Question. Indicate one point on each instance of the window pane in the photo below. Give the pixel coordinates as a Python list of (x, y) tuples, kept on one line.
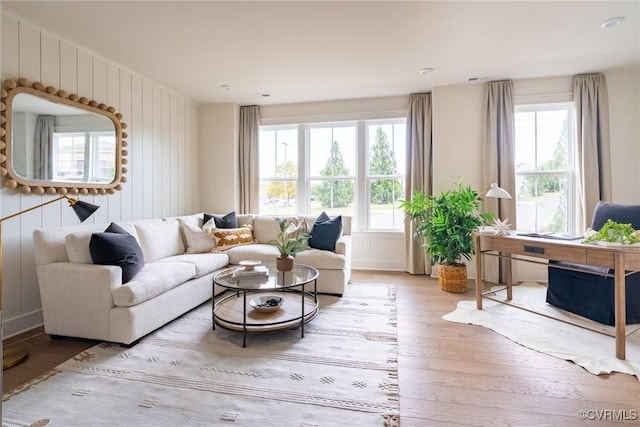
[(384, 211), (541, 140), (542, 203), (69, 156), (543, 143), (280, 197), (386, 143), (278, 152), (385, 149), (525, 126), (105, 150), (552, 139), (332, 151), (334, 196), (278, 159)]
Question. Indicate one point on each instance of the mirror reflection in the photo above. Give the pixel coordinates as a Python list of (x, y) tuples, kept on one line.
[(54, 142)]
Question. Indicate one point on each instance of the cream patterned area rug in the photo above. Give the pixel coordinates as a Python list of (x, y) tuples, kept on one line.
[(594, 351), (342, 373)]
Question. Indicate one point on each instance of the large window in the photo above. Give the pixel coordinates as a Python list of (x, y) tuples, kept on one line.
[(348, 168), (544, 167)]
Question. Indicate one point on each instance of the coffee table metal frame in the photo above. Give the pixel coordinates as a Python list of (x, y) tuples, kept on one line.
[(291, 284)]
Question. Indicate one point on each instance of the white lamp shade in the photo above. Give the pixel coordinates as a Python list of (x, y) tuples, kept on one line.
[(500, 193)]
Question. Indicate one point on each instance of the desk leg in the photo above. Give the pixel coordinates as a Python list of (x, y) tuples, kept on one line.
[(509, 274), (478, 250), (620, 306)]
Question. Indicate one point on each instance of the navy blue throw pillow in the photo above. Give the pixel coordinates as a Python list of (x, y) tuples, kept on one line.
[(325, 232), (230, 220), (117, 247)]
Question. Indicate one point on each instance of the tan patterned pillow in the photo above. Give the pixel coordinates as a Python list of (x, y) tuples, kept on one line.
[(298, 227), (229, 237)]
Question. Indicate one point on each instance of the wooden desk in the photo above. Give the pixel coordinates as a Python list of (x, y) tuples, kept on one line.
[(619, 258)]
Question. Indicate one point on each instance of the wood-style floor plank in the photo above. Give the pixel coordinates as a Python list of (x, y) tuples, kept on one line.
[(450, 374)]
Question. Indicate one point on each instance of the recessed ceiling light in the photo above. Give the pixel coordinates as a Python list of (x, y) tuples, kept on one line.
[(426, 70), (613, 22)]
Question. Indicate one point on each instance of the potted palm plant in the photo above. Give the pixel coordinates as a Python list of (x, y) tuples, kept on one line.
[(289, 245), (446, 223)]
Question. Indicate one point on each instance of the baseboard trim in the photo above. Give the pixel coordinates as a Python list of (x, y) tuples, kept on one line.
[(21, 324)]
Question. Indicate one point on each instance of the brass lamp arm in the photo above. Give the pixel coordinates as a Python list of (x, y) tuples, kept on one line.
[(72, 201)]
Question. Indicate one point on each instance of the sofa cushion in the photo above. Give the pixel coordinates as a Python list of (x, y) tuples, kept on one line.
[(229, 220), (77, 244), (193, 219), (117, 247), (204, 263), (159, 239), (265, 228), (196, 239), (262, 252), (229, 237), (326, 232), (321, 259), (154, 279)]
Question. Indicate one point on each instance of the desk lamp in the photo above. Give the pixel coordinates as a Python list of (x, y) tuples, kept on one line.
[(494, 191)]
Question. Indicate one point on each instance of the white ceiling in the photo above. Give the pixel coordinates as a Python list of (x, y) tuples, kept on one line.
[(301, 51)]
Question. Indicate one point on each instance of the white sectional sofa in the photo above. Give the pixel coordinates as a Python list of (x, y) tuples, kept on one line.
[(86, 300)]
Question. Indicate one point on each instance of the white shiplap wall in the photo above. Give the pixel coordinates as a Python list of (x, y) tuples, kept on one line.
[(162, 168)]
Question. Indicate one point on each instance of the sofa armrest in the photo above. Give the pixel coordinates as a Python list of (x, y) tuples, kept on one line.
[(343, 245), (76, 298)]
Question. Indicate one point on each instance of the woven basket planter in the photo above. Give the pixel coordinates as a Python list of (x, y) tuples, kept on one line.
[(452, 278)]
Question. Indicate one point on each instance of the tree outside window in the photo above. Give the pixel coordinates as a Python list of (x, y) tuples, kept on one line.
[(334, 193)]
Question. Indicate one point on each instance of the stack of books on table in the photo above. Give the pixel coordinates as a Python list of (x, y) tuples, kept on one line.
[(257, 271)]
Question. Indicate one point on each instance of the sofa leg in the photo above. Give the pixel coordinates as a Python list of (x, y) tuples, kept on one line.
[(57, 337), (131, 344)]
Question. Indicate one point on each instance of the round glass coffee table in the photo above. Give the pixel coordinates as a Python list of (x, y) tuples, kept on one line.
[(247, 308)]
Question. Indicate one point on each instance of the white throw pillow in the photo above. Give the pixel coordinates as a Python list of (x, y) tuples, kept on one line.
[(78, 247), (196, 239)]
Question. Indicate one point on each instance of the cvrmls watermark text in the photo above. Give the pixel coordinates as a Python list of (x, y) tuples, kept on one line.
[(608, 414)]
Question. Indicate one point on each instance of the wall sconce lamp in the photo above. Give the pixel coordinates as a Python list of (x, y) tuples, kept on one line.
[(12, 355)]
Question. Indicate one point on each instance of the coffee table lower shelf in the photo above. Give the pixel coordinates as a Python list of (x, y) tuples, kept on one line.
[(228, 312)]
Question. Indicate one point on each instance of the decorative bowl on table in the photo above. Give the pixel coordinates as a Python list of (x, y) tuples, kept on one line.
[(266, 303), (250, 264)]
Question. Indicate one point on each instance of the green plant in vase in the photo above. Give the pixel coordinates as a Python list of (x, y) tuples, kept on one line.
[(289, 244), (446, 223)]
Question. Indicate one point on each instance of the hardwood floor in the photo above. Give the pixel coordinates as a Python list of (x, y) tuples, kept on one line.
[(449, 374)]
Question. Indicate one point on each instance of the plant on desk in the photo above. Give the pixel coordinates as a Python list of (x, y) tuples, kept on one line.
[(614, 232), (446, 222), (290, 242)]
